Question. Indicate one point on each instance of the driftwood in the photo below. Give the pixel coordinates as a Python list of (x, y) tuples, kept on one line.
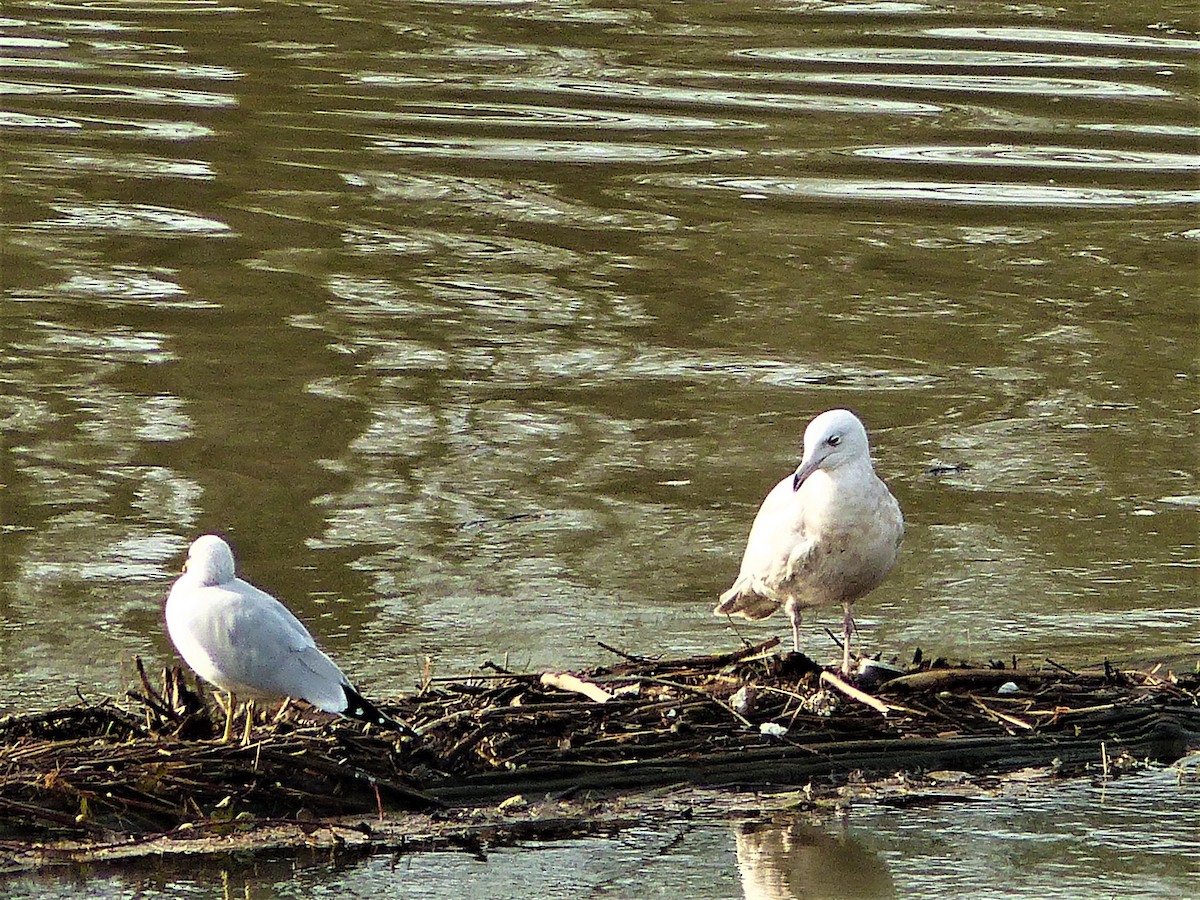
[(74, 783)]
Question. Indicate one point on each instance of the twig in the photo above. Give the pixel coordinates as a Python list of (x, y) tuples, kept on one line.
[(49, 815), (687, 688), (944, 679), (725, 659), (499, 676), (426, 674), (791, 695), (565, 681), (1060, 711), (861, 696), (621, 653), (1062, 668), (1005, 717), (1152, 675), (150, 691)]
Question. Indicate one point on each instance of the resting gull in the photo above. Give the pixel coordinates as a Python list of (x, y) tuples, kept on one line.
[(828, 533), (246, 642)]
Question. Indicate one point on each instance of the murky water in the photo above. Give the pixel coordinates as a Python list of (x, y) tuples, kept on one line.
[(1041, 838), (481, 329)]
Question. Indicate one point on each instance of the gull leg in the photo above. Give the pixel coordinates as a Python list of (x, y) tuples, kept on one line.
[(847, 630), (283, 708), (230, 708), (794, 614), (249, 723)]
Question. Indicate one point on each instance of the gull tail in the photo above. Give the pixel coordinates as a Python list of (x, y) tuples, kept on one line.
[(743, 600), (359, 707)]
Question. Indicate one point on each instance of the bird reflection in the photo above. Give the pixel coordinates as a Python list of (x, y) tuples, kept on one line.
[(791, 861)]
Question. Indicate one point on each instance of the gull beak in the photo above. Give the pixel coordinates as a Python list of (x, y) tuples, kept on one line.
[(806, 468)]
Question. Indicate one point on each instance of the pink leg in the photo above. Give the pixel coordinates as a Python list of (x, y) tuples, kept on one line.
[(847, 630), (794, 615)]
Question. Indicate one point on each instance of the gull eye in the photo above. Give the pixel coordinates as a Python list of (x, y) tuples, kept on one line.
[(833, 440)]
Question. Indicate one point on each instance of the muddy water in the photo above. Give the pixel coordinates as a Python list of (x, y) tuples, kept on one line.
[(481, 329)]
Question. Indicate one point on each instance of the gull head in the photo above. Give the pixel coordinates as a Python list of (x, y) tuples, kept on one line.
[(833, 439), (210, 561)]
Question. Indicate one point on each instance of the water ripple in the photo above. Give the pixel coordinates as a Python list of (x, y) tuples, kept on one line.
[(124, 286), (8, 42), (143, 7), (1060, 36), (120, 93), (550, 151), (151, 129), (129, 166), (866, 8), (942, 58), (478, 249), (118, 343), (616, 365), (992, 84), (140, 219), (978, 193), (1153, 129), (1040, 157), (713, 97), (641, 92), (22, 120), (505, 200), (513, 115), (22, 62)]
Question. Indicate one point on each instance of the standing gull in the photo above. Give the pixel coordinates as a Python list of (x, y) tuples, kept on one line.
[(246, 642), (828, 533)]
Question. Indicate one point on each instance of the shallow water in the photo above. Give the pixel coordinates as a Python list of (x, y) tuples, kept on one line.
[(481, 329), (1040, 837)]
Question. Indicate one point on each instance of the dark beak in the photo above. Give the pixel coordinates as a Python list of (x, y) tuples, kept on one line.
[(805, 469)]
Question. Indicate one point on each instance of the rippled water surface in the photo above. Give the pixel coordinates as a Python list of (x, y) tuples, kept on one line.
[(482, 328)]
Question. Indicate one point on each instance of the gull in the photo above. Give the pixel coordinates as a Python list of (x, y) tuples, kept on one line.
[(828, 533), (244, 641)]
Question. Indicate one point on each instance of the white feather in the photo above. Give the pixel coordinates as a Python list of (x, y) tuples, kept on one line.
[(242, 639), (831, 538)]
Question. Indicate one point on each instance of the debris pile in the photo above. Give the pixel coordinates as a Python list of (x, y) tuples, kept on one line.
[(752, 718)]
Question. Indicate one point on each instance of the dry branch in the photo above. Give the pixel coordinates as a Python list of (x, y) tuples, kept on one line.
[(565, 681)]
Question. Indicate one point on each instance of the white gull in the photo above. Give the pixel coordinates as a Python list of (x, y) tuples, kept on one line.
[(828, 533), (245, 642)]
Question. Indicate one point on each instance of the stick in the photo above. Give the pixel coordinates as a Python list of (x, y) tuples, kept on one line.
[(1011, 720), (565, 681), (1061, 668), (687, 688), (855, 694), (150, 691), (724, 659), (461, 679), (1060, 711), (621, 653), (49, 815), (944, 679)]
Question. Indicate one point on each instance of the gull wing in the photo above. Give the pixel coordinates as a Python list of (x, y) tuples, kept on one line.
[(776, 549)]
